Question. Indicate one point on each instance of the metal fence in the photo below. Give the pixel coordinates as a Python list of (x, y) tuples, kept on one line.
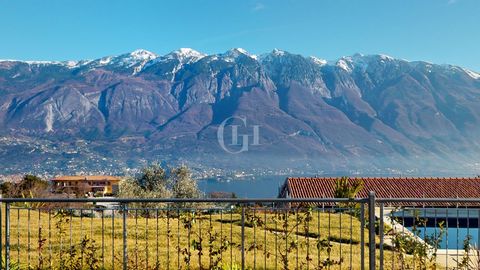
[(324, 233)]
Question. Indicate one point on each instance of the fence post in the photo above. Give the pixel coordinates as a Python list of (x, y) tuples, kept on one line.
[(371, 230), (1, 244), (362, 236), (7, 235), (381, 234), (243, 236), (124, 235)]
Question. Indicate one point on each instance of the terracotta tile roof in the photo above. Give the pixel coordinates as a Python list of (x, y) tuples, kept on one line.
[(386, 187), (86, 178)]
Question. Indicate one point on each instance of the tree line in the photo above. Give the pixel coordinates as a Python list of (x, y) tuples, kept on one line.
[(154, 181)]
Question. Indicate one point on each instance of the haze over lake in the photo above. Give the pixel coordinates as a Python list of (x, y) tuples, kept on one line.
[(248, 187)]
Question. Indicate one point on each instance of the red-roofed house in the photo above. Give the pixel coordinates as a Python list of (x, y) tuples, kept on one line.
[(91, 183), (385, 187)]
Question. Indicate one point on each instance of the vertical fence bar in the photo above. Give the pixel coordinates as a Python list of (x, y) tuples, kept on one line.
[(7, 235), (39, 250), (458, 234), (296, 238), (18, 236), (265, 238), (103, 239), (221, 231), (371, 230), (254, 240), (210, 228), (478, 226), (362, 236), (319, 236), (380, 233), (1, 244), (146, 238), (243, 237), (329, 233), (49, 238), (71, 222), (351, 239), (158, 241), (28, 236), (446, 237), (135, 249), (178, 237), (340, 225), (276, 238), (393, 222), (113, 238), (200, 239), (124, 233), (168, 237)]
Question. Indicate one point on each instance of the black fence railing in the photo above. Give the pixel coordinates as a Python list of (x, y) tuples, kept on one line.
[(326, 233)]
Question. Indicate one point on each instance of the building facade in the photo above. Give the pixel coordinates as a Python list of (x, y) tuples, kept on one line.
[(107, 185)]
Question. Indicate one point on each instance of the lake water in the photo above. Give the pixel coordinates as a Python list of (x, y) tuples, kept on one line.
[(246, 187)]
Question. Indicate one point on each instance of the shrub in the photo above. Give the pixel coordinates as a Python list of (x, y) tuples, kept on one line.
[(155, 182), (423, 252), (29, 186)]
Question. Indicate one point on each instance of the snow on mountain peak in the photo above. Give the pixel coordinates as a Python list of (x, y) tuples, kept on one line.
[(185, 53), (361, 62), (136, 60), (183, 56), (365, 59), (239, 50), (472, 74), (139, 59), (31, 62), (278, 52), (318, 61), (345, 63), (71, 64), (386, 57), (267, 57), (41, 62), (141, 54), (232, 54), (105, 61)]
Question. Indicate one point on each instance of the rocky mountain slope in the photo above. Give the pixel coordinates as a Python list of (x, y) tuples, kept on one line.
[(360, 113)]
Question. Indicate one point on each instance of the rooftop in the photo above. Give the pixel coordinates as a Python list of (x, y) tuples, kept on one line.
[(86, 178), (386, 187)]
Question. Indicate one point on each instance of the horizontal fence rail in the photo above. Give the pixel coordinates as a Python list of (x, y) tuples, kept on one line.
[(314, 233), (175, 200)]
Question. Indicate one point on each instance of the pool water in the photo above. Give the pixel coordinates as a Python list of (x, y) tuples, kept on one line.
[(458, 223), (453, 238)]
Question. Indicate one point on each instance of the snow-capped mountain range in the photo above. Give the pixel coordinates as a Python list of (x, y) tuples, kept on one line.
[(360, 111), (142, 58)]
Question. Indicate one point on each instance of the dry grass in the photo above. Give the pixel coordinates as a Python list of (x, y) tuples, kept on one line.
[(165, 243)]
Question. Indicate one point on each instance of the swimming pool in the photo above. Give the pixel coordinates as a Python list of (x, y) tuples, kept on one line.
[(458, 223)]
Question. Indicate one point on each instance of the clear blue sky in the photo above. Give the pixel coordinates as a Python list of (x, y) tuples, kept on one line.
[(440, 31)]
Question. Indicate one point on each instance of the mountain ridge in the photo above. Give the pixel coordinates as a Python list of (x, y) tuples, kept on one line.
[(189, 52), (360, 112)]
